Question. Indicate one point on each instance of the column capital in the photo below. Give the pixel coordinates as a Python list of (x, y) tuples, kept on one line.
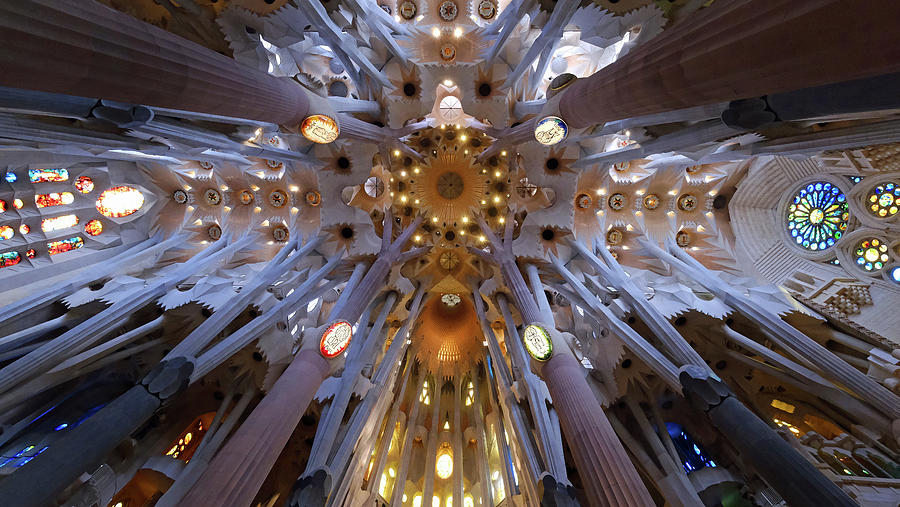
[(168, 378), (705, 391)]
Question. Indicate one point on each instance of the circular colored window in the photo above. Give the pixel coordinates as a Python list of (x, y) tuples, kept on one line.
[(687, 202), (24, 229), (884, 200), (214, 232), (871, 254), (895, 274), (84, 184), (6, 232), (617, 201), (537, 342), (335, 339), (651, 201), (93, 228), (119, 202), (817, 216), (486, 9), (550, 130), (11, 177)]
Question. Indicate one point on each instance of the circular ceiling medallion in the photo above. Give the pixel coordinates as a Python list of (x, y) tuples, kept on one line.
[(448, 10), (614, 237), (374, 186), (448, 52), (537, 342), (651, 201), (319, 128), (617, 201), (550, 130), (273, 140), (212, 196), (408, 9), (486, 9), (450, 185), (450, 107), (214, 232), (246, 197), (280, 233), (206, 165), (621, 166), (274, 164), (451, 300), (683, 238), (179, 196), (335, 339), (313, 198), (584, 201), (449, 260), (277, 198), (687, 202)]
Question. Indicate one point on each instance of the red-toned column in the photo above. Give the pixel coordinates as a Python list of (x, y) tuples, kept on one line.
[(83, 48), (240, 468), (608, 474), (741, 49)]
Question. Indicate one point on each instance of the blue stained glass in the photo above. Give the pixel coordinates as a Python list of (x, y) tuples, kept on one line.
[(818, 216), (11, 177), (61, 427)]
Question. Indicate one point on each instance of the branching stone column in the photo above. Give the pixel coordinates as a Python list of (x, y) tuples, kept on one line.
[(237, 472), (88, 49), (607, 472), (734, 50), (795, 478), (37, 483)]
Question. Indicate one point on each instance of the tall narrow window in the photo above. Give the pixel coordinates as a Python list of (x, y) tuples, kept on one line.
[(53, 199), (65, 245), (47, 175), (58, 223)]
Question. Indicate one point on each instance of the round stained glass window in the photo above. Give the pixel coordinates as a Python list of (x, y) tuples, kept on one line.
[(84, 184), (537, 342), (6, 232), (871, 254), (335, 339), (451, 300), (884, 200), (817, 216), (895, 274), (118, 202), (443, 465), (93, 228)]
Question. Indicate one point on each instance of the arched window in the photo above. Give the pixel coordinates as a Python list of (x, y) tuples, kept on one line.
[(58, 223), (119, 202), (53, 199), (48, 175), (692, 455), (64, 245), (817, 216)]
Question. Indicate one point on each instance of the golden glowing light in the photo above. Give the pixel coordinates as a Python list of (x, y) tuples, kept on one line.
[(443, 467)]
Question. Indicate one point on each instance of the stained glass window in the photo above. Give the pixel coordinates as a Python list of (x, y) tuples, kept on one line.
[(47, 175), (871, 254), (24, 229), (119, 202), (53, 199), (17, 203), (11, 177), (58, 223), (93, 228), (84, 184), (65, 245), (9, 259), (895, 274), (692, 455), (30, 253), (2, 205), (884, 200), (817, 216), (6, 232)]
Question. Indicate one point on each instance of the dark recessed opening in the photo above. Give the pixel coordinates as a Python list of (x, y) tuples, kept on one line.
[(552, 164), (407, 161), (407, 211), (680, 321), (450, 135), (427, 227), (253, 313), (721, 365), (631, 320), (720, 201), (667, 404), (401, 186), (476, 143), (484, 89), (347, 233), (219, 395), (729, 321), (493, 161), (450, 236), (626, 363), (270, 2), (409, 89), (500, 186), (492, 211), (250, 29), (343, 162), (473, 228), (308, 420), (257, 357), (425, 142), (205, 312), (548, 234), (95, 286), (378, 124)]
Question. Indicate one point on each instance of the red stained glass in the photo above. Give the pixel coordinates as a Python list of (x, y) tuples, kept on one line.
[(65, 245), (84, 184), (53, 199), (93, 228), (119, 202), (9, 259)]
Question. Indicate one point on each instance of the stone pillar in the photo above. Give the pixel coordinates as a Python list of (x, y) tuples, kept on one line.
[(609, 477), (85, 447), (739, 49), (236, 473), (86, 49), (791, 475)]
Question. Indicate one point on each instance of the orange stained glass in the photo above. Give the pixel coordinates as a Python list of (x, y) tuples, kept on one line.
[(17, 203), (93, 228), (58, 223), (65, 245), (2, 205), (47, 175), (84, 184), (53, 199), (6, 232), (24, 229), (119, 201)]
